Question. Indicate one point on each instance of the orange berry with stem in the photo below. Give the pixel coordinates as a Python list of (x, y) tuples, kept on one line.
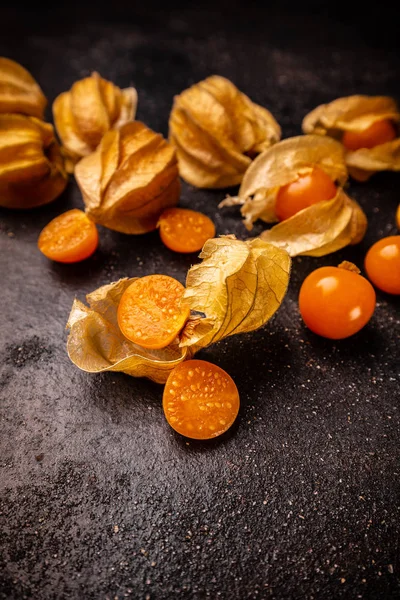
[(200, 400), (336, 302), (183, 230), (382, 264), (306, 190), (376, 134), (69, 238), (151, 312)]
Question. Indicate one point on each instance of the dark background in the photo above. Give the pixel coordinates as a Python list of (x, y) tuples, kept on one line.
[(100, 498)]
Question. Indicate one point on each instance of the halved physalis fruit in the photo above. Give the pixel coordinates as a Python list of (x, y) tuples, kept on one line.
[(69, 238), (380, 132), (183, 230), (309, 188), (151, 312), (200, 400)]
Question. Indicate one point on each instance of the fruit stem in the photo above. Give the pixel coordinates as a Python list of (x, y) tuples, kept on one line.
[(349, 266)]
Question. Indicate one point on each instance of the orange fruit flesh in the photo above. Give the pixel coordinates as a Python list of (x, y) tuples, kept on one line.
[(69, 238), (200, 400), (336, 303), (382, 264), (376, 134), (306, 190), (151, 312), (185, 231)]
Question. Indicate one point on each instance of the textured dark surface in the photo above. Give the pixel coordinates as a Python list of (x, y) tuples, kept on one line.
[(100, 499)]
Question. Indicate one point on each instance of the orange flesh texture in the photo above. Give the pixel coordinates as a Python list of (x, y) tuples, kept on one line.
[(306, 190), (382, 264), (200, 400), (151, 312), (69, 238), (376, 134), (184, 230), (336, 303)]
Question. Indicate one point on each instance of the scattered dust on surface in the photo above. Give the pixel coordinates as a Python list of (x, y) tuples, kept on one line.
[(32, 350)]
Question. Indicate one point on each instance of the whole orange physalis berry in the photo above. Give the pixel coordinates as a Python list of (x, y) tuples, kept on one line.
[(376, 134), (306, 190), (336, 302), (382, 264), (200, 400)]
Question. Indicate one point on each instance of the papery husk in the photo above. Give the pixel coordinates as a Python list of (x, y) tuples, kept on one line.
[(365, 162), (95, 343), (237, 288), (31, 166), (130, 179), (357, 113), (281, 164), (19, 92), (320, 229), (87, 111), (217, 130)]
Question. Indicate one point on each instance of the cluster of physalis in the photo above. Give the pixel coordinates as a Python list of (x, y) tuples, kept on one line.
[(129, 179)]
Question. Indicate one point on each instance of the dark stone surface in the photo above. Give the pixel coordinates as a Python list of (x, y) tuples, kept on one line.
[(100, 499)]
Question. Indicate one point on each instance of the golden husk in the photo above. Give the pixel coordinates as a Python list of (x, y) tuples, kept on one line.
[(237, 288), (96, 344), (321, 229), (281, 165), (83, 115), (365, 162), (31, 166), (357, 113), (317, 230), (130, 179), (217, 130), (19, 92)]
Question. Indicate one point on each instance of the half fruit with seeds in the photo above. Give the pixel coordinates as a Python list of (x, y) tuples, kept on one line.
[(151, 312), (200, 401)]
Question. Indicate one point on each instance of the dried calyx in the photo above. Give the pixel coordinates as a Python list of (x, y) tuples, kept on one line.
[(130, 179), (318, 229), (217, 131), (349, 266), (19, 92), (236, 288), (31, 166), (87, 111), (358, 115)]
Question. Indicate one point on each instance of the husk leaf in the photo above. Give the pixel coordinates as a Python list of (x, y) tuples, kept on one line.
[(96, 344), (87, 111), (130, 179), (31, 167), (357, 113), (365, 162), (216, 131), (280, 165), (320, 229), (19, 92), (237, 288)]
